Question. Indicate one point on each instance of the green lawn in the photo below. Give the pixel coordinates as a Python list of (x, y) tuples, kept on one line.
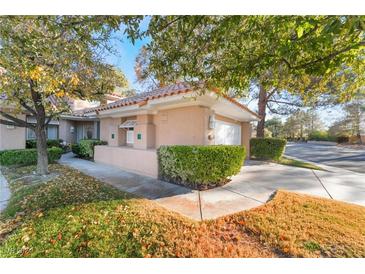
[(74, 215), (297, 163)]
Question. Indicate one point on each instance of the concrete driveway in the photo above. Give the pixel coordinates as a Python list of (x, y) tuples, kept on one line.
[(252, 187), (330, 155)]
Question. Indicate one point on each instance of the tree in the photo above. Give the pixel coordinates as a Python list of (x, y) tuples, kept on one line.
[(45, 60), (350, 125), (301, 124), (306, 56), (275, 126)]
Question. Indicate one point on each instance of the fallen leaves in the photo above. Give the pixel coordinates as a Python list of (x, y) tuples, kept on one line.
[(74, 215)]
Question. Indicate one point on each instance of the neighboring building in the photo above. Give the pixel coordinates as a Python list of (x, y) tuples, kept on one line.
[(70, 128), (135, 127)]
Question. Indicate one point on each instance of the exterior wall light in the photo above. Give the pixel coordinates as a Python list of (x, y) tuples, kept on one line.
[(211, 122)]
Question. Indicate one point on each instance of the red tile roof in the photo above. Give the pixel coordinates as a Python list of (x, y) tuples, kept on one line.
[(145, 96), (170, 90)]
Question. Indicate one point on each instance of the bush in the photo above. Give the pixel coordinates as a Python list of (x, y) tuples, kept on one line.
[(267, 148), (25, 157), (30, 144), (85, 148), (200, 167), (75, 148), (320, 135), (50, 143), (343, 139)]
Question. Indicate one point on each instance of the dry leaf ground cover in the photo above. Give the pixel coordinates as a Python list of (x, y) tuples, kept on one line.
[(74, 215), (306, 226)]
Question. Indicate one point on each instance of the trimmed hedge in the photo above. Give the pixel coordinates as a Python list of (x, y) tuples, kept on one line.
[(85, 148), (267, 148), (50, 143), (200, 167), (25, 157)]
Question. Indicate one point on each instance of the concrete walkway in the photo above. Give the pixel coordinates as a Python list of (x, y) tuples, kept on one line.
[(252, 187), (4, 192)]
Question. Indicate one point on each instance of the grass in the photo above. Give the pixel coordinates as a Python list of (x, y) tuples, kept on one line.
[(74, 215), (297, 163)]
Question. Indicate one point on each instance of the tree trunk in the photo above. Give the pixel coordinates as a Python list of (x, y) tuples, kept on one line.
[(42, 157), (40, 130), (260, 132)]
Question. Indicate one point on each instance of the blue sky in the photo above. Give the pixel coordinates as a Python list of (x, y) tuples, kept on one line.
[(126, 55)]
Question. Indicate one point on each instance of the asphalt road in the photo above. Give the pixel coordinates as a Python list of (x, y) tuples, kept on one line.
[(331, 155)]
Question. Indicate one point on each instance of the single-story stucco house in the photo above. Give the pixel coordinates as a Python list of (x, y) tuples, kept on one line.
[(135, 127)]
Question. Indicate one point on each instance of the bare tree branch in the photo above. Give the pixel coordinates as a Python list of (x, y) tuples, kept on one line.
[(287, 103), (27, 107), (15, 121)]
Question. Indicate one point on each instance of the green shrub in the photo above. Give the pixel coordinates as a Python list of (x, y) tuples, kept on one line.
[(30, 144), (267, 148), (50, 143), (321, 135), (200, 167), (54, 154), (75, 148), (86, 147), (25, 157)]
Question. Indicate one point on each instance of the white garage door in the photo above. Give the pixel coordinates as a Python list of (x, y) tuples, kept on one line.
[(227, 133)]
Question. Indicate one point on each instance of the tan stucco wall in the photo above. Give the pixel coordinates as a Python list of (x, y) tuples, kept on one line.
[(109, 126), (182, 126), (65, 131), (179, 126), (12, 138), (135, 160), (146, 129)]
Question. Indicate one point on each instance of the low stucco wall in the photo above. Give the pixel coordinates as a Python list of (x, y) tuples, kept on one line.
[(12, 138), (140, 161)]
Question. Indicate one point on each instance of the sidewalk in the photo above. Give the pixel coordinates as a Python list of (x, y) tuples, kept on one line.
[(4, 192), (252, 187)]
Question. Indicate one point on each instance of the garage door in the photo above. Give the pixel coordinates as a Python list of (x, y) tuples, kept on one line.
[(227, 133)]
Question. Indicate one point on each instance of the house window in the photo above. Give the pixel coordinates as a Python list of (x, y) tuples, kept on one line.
[(30, 134), (130, 136), (51, 132)]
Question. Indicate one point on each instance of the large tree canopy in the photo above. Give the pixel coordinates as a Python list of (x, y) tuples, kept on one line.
[(306, 55), (45, 60)]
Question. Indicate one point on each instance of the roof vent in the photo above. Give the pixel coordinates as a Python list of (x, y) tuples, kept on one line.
[(128, 124)]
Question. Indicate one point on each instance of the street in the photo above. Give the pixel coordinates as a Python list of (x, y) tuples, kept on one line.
[(331, 155)]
